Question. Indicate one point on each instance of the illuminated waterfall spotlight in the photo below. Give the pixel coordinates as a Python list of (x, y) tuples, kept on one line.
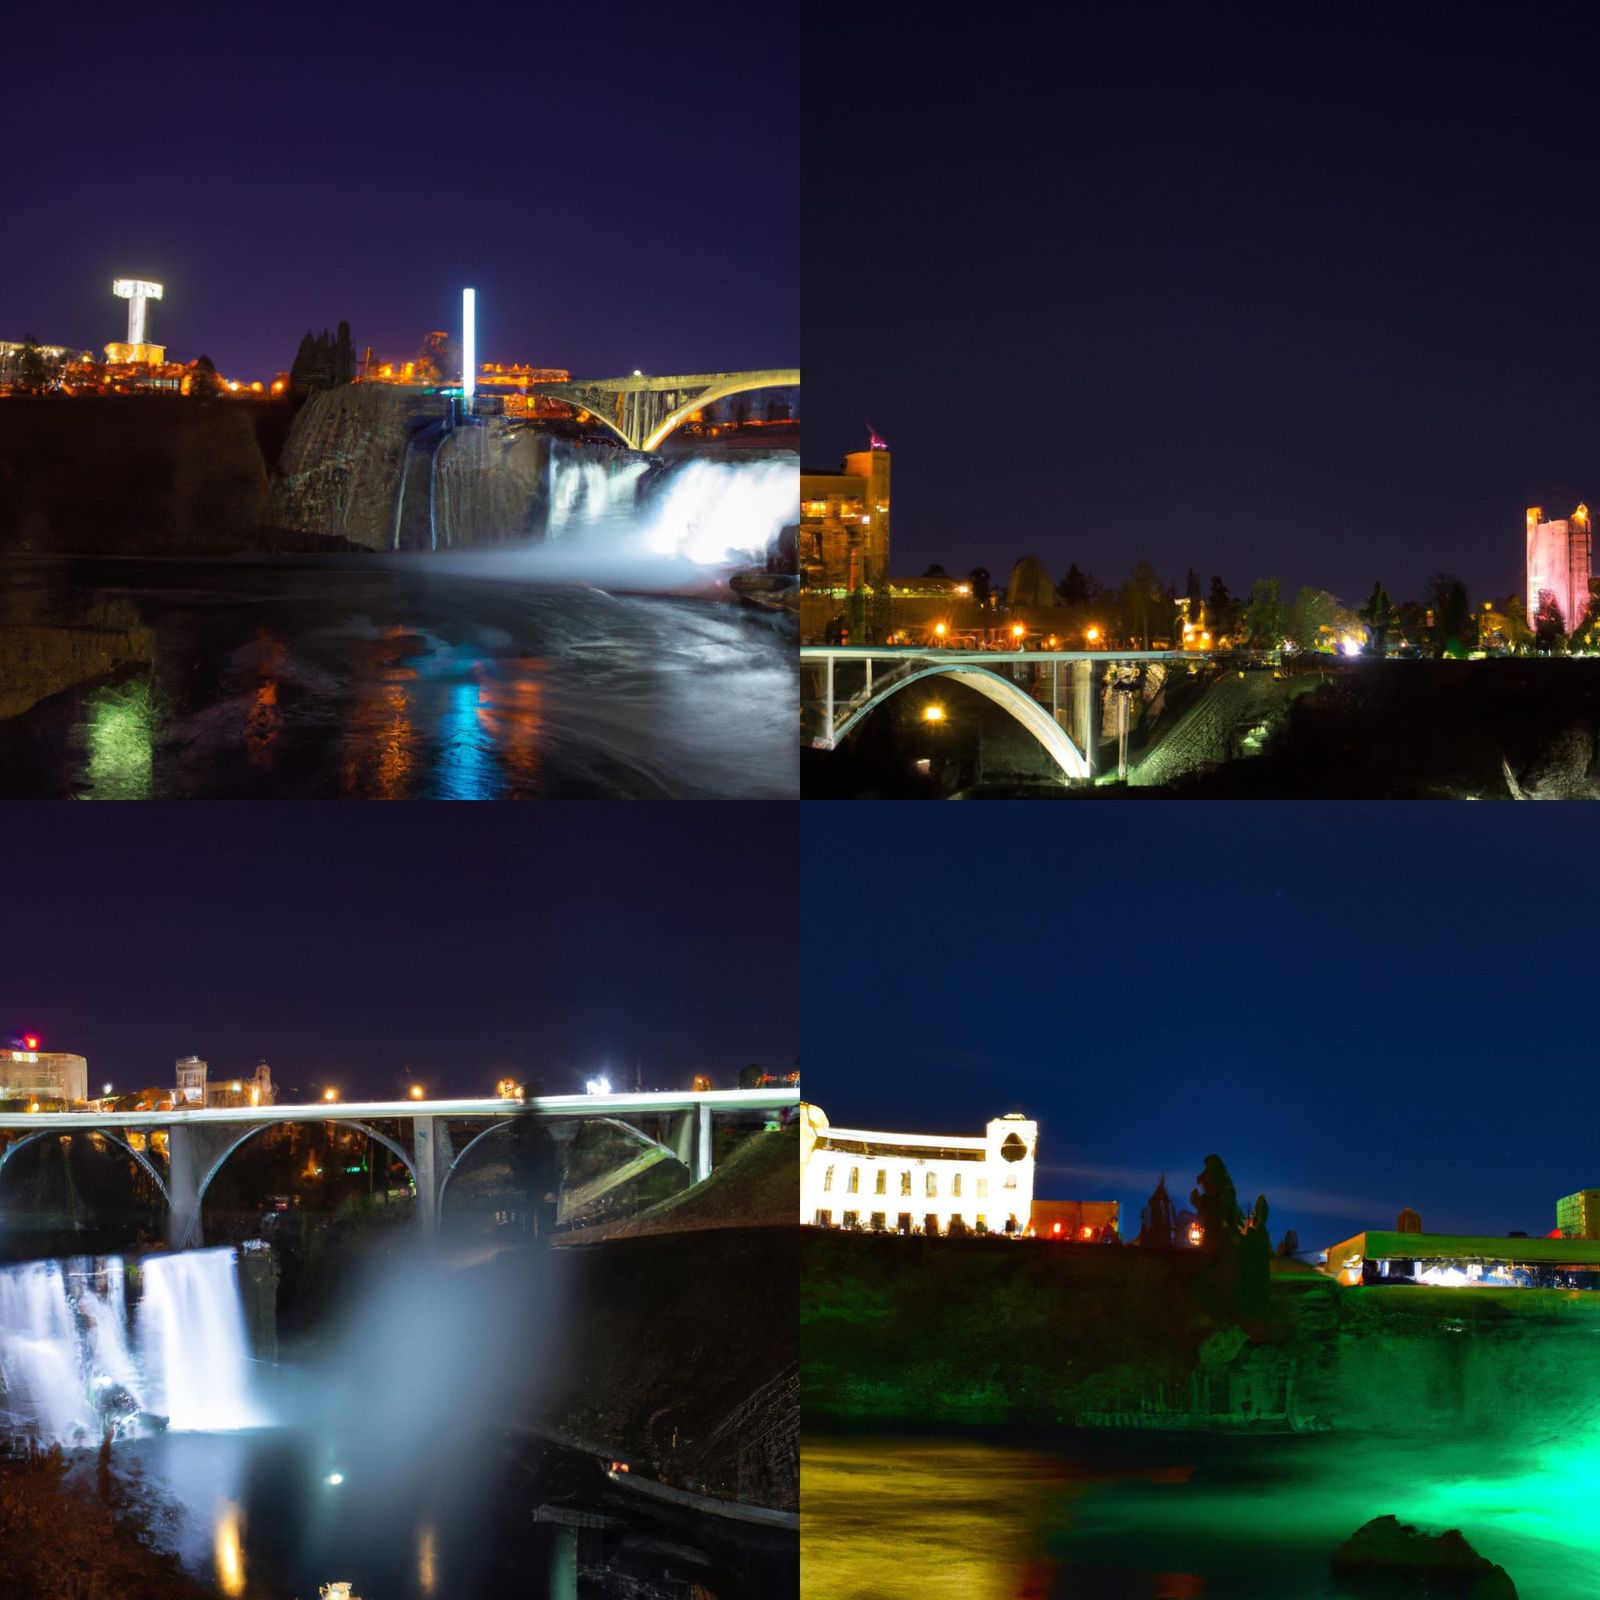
[(192, 1341), (469, 346)]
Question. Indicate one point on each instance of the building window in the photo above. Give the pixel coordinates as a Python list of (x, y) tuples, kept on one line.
[(903, 1222), (983, 1223), (854, 1184), (955, 1185), (851, 1219), (930, 1225), (905, 1181), (878, 1220), (827, 1181), (824, 1219), (983, 1187), (882, 1183), (933, 1184)]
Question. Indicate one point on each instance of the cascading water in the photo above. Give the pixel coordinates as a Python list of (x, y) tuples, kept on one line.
[(192, 1341), (720, 513), (71, 1367), (585, 492)]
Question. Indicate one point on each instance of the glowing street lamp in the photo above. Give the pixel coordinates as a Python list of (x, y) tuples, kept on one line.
[(933, 712), (1093, 635), (940, 629), (416, 1091), (1017, 630), (330, 1094)]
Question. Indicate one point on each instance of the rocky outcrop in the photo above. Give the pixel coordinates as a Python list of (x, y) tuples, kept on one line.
[(1394, 1560), (1564, 767), (44, 651), (343, 461)]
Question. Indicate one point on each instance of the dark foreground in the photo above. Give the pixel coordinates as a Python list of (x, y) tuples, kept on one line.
[(373, 677), (1137, 1517)]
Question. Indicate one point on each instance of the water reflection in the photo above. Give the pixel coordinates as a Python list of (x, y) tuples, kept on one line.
[(120, 734), (229, 1549), (311, 678)]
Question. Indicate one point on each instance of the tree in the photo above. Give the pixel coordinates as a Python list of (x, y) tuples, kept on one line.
[(1380, 617), (935, 570), (1549, 629), (1311, 618), (1255, 1261), (204, 384), (1586, 636), (31, 373), (1221, 611), (1077, 588), (1145, 608), (1191, 589), (1216, 1205), (1454, 632), (1289, 1244), (1263, 618), (1158, 1221), (978, 578)]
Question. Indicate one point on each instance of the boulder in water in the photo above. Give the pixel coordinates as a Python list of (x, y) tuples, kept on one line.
[(1394, 1560)]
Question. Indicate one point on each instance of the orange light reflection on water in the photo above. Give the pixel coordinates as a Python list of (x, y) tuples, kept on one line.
[(229, 1550)]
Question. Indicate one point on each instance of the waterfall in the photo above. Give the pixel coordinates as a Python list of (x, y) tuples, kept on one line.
[(71, 1366), (585, 492), (192, 1343), (722, 512)]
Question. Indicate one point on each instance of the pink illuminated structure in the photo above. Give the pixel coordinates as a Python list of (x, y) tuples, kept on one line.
[(1558, 560)]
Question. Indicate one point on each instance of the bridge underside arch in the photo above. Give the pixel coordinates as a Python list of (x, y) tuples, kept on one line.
[(675, 418), (154, 1172), (1017, 704), (219, 1158)]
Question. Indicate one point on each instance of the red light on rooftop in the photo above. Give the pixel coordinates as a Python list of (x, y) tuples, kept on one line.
[(30, 1041)]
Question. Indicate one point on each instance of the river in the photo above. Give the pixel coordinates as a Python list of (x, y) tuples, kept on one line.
[(397, 677), (1116, 1516)]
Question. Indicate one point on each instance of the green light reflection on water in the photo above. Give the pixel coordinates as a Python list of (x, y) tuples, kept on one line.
[(120, 733)]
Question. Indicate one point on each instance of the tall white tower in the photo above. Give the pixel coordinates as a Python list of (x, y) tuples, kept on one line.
[(469, 346), (137, 292)]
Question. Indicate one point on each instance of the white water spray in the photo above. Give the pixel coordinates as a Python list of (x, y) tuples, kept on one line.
[(70, 1367)]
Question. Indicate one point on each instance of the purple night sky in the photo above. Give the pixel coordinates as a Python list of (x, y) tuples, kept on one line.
[(619, 184)]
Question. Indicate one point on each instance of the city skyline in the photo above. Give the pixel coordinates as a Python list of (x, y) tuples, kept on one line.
[(1327, 998), (300, 185), (1299, 296), (344, 952)]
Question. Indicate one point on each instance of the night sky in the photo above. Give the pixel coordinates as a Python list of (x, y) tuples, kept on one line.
[(1300, 291), (343, 943), (1358, 1007), (619, 183)]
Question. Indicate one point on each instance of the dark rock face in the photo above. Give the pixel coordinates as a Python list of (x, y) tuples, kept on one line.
[(1562, 768), (1390, 1558), (45, 649)]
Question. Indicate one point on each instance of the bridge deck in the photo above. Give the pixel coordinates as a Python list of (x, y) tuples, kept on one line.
[(558, 1105)]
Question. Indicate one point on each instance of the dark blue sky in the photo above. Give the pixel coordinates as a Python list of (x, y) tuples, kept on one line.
[(1358, 1007), (619, 183), (343, 942), (1305, 291)]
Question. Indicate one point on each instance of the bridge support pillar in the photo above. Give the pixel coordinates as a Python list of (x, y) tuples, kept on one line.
[(430, 1162), (184, 1174), (701, 1169), (1084, 705)]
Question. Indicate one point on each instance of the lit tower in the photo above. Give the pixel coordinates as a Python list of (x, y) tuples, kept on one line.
[(136, 292), (469, 346)]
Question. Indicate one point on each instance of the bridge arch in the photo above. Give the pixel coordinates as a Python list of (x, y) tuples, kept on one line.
[(219, 1160), (14, 1145), (741, 383), (1021, 707)]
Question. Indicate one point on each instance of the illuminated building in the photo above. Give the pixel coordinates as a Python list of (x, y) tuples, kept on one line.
[(53, 358), (917, 1182), (138, 293), (1464, 1261), (43, 1075), (1558, 561), (1578, 1215), (194, 1090), (844, 540), (469, 345)]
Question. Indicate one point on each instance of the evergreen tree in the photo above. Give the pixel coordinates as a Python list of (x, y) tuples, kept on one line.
[(1454, 632), (1289, 1244), (978, 581), (1216, 1205), (1220, 609), (1380, 617), (1077, 588), (204, 384), (1263, 617), (1255, 1262)]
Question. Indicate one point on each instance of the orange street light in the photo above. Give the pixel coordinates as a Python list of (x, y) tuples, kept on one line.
[(1092, 635), (1017, 630), (939, 630), (416, 1091), (330, 1094), (933, 712)]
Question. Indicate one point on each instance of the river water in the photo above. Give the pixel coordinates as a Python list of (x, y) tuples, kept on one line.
[(1146, 1517), (396, 677)]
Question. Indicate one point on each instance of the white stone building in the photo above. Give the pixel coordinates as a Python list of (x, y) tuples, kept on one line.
[(917, 1182)]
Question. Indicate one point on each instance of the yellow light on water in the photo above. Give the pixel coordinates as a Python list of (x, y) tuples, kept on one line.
[(229, 1551), (426, 1578)]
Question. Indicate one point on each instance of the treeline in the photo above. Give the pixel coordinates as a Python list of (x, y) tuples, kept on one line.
[(1144, 611)]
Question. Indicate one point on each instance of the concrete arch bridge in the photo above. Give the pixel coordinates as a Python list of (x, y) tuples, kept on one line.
[(1055, 695), (642, 410), (432, 1138)]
